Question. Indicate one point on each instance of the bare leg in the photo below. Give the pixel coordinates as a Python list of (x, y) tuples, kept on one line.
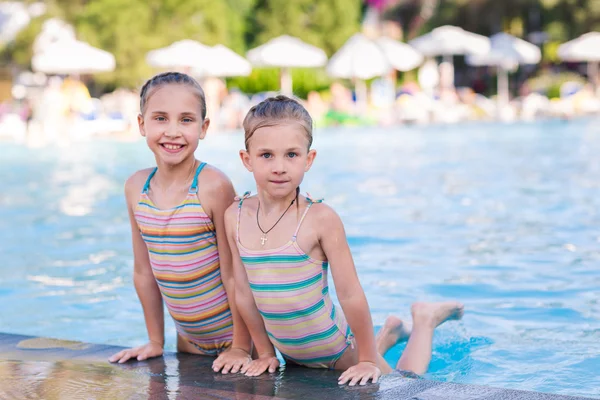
[(394, 331), (426, 317)]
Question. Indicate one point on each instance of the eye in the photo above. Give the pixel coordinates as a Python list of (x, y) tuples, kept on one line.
[(187, 120), (266, 155), (291, 154), (160, 118)]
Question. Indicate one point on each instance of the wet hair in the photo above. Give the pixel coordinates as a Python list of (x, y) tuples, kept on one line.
[(274, 111), (169, 78)]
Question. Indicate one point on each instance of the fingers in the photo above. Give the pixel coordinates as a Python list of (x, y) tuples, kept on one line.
[(117, 357), (228, 364), (226, 368), (140, 353), (245, 368), (365, 379), (238, 366), (218, 364), (353, 377), (257, 368), (273, 366), (375, 378), (354, 381), (344, 377), (127, 355)]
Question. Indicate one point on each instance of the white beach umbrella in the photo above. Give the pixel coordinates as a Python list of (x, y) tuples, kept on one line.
[(223, 62), (401, 56), (287, 52), (450, 40), (53, 30), (506, 53), (186, 54), (585, 48), (72, 57), (359, 58)]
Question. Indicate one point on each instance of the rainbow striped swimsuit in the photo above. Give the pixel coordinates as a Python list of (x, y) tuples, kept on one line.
[(291, 293), (182, 246)]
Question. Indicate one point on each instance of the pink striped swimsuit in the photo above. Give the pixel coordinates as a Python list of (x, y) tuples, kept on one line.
[(292, 295), (182, 246)]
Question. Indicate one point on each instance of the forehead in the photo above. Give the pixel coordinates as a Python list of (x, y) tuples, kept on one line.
[(283, 135), (173, 97)]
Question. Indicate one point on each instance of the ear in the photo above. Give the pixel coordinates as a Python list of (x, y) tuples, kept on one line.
[(140, 119), (245, 157), (310, 158), (204, 128)]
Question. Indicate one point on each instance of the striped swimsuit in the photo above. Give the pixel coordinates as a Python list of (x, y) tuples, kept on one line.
[(182, 246), (291, 293)]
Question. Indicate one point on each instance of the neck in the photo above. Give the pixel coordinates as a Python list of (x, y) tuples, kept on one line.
[(175, 175), (270, 204)]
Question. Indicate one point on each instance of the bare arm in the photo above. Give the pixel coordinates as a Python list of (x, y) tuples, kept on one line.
[(220, 195), (144, 282), (247, 306), (146, 286), (349, 291)]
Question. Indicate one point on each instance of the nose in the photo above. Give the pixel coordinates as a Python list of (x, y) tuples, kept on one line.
[(278, 166), (172, 130)]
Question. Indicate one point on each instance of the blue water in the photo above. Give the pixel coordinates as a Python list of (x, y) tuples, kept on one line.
[(503, 217)]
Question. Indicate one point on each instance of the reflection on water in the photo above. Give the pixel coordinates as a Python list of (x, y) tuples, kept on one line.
[(69, 380), (503, 217), (174, 378)]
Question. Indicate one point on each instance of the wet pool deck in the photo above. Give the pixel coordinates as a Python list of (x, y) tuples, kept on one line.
[(48, 369)]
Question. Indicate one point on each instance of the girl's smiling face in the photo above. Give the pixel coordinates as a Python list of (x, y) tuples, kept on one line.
[(278, 156), (172, 123)]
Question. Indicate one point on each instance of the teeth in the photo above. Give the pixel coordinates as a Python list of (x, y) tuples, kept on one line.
[(172, 146)]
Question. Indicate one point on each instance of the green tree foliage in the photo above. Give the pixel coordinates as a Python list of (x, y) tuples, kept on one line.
[(561, 19), (130, 28), (326, 23)]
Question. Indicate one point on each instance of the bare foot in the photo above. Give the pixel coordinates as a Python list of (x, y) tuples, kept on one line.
[(435, 314), (393, 331)]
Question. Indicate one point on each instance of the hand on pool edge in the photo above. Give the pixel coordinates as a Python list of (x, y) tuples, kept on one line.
[(263, 363), (232, 360), (140, 353), (360, 373)]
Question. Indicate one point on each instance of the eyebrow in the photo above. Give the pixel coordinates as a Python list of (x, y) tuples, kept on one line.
[(289, 149), (186, 113)]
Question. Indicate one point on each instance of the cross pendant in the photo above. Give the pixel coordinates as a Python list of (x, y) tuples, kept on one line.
[(263, 239)]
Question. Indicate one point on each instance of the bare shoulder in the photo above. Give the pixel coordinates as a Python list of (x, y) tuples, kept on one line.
[(323, 211), (324, 217), (215, 190), (213, 180), (135, 183), (231, 213), (249, 207)]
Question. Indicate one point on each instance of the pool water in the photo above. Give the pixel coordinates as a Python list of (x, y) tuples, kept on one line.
[(505, 218)]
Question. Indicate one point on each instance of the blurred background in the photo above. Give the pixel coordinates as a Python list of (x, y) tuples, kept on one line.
[(373, 62), (457, 139)]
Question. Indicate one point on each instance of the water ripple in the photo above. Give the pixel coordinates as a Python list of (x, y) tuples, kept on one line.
[(504, 218)]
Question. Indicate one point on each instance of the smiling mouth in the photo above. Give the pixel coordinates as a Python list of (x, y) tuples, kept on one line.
[(172, 147)]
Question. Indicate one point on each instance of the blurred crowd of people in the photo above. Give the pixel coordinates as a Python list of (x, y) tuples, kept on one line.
[(62, 110)]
